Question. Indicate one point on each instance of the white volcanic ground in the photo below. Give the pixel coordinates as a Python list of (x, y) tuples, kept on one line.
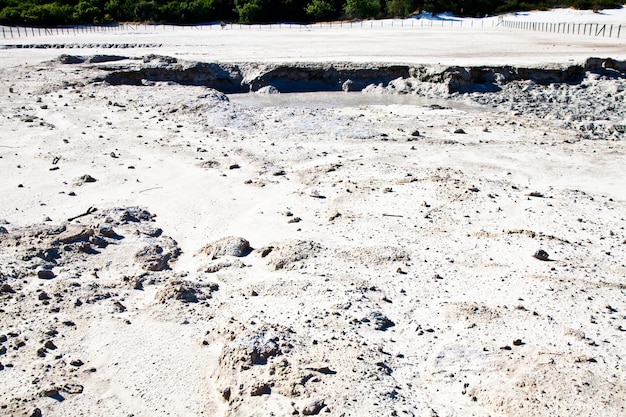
[(167, 250)]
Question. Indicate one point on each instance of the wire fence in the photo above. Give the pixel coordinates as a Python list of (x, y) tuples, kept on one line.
[(19, 32), (586, 29)]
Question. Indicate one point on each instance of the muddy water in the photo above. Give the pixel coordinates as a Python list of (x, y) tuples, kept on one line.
[(326, 99)]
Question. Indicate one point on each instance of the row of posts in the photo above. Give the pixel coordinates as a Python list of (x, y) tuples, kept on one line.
[(590, 29)]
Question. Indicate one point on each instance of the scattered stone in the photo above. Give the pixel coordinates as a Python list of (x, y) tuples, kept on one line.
[(312, 407), (51, 392), (85, 179), (535, 194), (6, 288), (315, 194), (77, 363), (226, 393), (381, 322), (118, 307), (107, 231), (73, 388), (459, 131), (542, 255), (334, 216), (518, 342), (266, 251), (321, 368), (415, 133), (260, 388), (234, 166), (45, 274), (295, 220), (348, 85)]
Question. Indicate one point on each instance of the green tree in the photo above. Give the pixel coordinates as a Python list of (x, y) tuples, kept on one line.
[(145, 11), (85, 12), (251, 12), (47, 14), (400, 8), (362, 9), (320, 10)]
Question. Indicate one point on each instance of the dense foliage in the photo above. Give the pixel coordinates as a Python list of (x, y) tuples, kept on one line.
[(65, 12)]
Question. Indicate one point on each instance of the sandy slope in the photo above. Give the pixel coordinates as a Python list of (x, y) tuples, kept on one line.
[(389, 272)]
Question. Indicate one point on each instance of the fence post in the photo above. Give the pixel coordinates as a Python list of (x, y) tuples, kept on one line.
[(611, 31), (619, 29)]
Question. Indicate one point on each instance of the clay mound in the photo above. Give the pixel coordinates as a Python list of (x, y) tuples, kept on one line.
[(227, 246), (156, 256), (286, 255), (123, 215), (471, 311), (375, 255), (253, 365), (185, 291)]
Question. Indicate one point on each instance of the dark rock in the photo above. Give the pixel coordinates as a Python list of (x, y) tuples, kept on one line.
[(542, 255), (77, 363), (73, 388), (6, 288), (45, 274), (380, 321), (107, 231), (260, 388), (334, 216), (119, 307), (313, 407), (226, 393), (459, 131), (266, 251), (71, 59)]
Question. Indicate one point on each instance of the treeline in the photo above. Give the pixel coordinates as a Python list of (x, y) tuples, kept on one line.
[(70, 12)]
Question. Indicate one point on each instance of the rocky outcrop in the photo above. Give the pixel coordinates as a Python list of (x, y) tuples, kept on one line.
[(303, 77)]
